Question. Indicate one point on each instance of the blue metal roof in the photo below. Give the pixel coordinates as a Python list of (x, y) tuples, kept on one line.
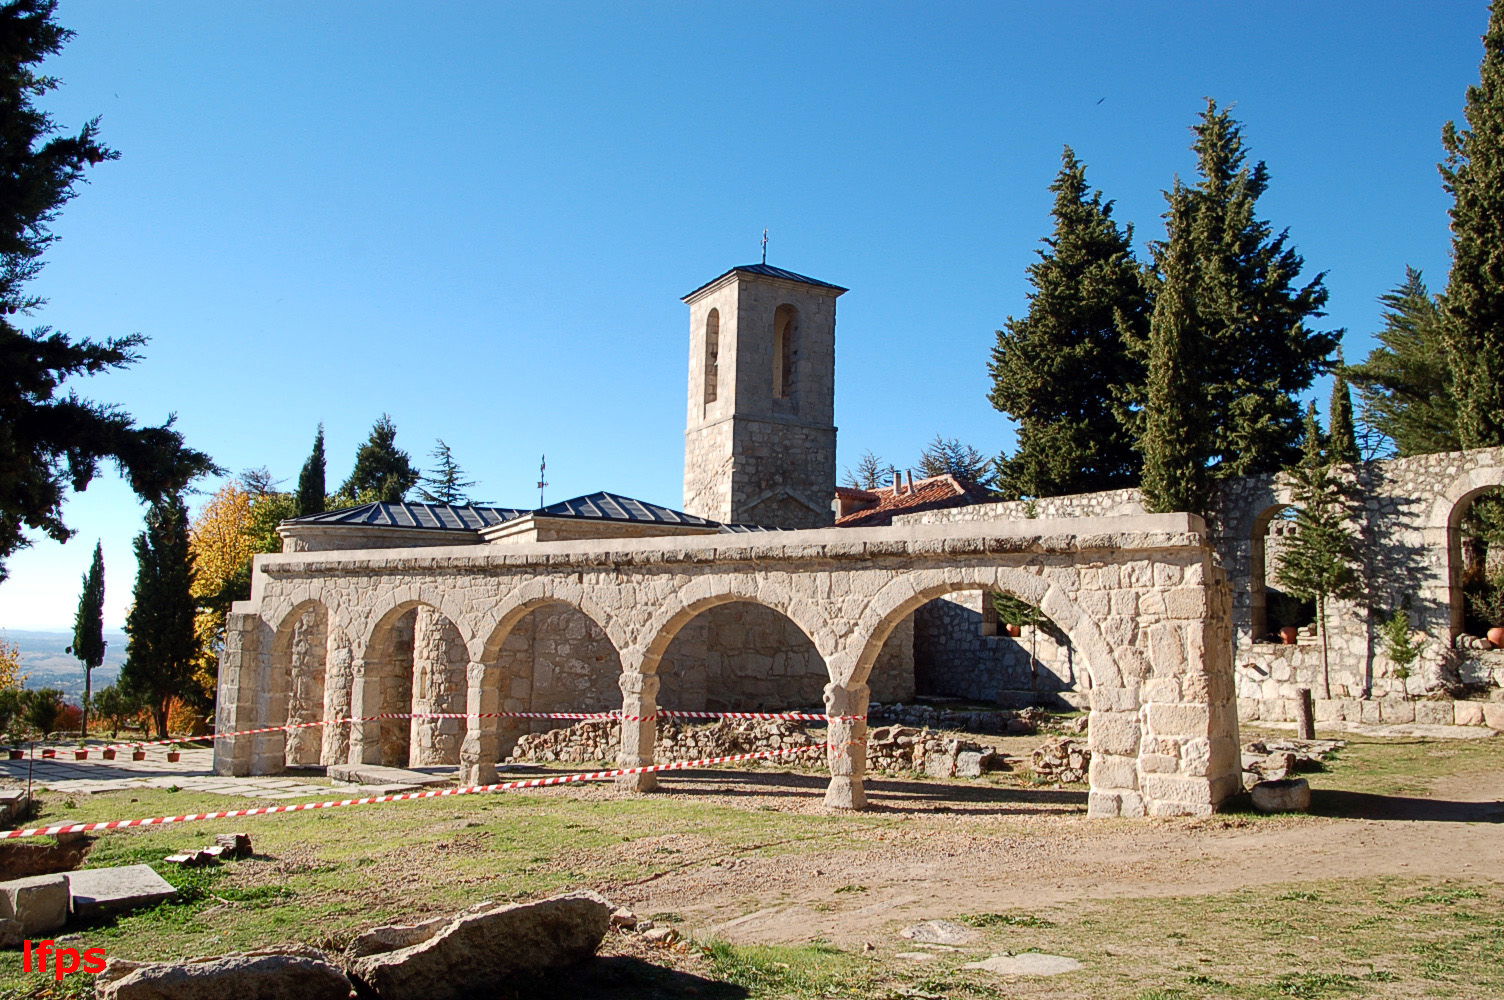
[(769, 271), (600, 506)]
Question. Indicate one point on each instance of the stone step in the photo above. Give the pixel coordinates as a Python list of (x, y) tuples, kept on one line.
[(376, 774), (98, 891)]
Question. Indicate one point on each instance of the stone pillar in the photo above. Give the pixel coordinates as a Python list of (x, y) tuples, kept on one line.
[(337, 684), (239, 678), (848, 745), (439, 679), (305, 703), (482, 746), (639, 729), (365, 701)]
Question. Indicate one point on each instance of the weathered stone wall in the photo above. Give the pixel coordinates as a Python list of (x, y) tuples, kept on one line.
[(305, 683), (1140, 599), (439, 661), (962, 651), (557, 659), (1109, 503)]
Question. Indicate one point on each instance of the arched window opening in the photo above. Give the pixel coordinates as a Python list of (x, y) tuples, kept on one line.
[(785, 350), (1272, 611), (1478, 561), (741, 657), (712, 354)]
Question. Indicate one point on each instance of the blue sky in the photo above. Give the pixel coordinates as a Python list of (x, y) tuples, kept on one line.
[(479, 217)]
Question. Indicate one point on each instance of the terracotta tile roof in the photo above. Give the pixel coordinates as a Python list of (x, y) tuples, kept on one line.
[(934, 493)]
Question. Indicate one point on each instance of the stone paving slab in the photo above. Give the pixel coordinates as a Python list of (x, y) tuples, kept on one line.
[(1397, 729), (375, 774), (99, 891)]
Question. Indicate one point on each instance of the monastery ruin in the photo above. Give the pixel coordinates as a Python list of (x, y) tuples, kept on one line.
[(762, 594)]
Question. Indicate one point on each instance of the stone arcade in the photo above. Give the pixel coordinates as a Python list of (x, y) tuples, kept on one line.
[(748, 599)]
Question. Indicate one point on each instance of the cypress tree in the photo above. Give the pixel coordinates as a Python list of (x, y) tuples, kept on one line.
[(160, 643), (1474, 301), (1404, 385), (1343, 440), (311, 497), (1321, 558), (1172, 425), (88, 626), (381, 468), (1245, 328), (1059, 370)]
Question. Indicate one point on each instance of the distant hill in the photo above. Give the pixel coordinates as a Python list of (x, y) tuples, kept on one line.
[(47, 663)]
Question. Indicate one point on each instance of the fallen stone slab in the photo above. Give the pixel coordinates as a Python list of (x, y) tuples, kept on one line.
[(38, 904), (938, 932), (99, 892), (12, 804), (383, 939), (294, 973), (376, 774), (1030, 963), (916, 956), (1289, 795), (481, 951)]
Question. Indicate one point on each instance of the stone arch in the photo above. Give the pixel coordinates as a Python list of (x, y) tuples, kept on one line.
[(712, 356), (911, 590), (785, 351), (294, 688), (414, 662), (959, 645), (703, 593), (1444, 528), (567, 640), (1259, 619)]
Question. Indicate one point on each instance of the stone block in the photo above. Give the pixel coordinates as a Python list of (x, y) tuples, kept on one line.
[(1370, 712), (1180, 720), (1177, 788), (1186, 603), (1114, 733), (1288, 795), (1249, 709), (1397, 710), (294, 973), (1434, 713), (1493, 715), (1112, 771), (1165, 690), (100, 891), (39, 904), (968, 764), (1467, 713), (1196, 757), (1159, 763)]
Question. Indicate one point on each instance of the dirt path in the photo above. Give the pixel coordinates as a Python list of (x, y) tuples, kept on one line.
[(972, 858)]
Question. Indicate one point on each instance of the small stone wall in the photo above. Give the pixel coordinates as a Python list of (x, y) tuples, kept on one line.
[(962, 651)]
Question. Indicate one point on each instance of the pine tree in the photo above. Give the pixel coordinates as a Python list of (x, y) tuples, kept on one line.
[(1322, 558), (1244, 337), (1474, 301), (160, 643), (447, 483), (1060, 369), (1404, 385), (51, 441), (88, 627), (381, 468), (1172, 425), (311, 496), (949, 457), (869, 473), (1343, 441)]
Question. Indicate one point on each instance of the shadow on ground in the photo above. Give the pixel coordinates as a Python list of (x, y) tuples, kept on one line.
[(885, 795), (1363, 805), (622, 977)]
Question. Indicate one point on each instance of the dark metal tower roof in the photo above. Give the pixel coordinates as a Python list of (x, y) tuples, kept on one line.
[(769, 271)]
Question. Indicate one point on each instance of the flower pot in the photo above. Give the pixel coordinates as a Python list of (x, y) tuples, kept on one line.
[(138, 755), (1496, 636), (1289, 634), (108, 755), (80, 755), (173, 756), (49, 752), (1015, 631), (16, 754)]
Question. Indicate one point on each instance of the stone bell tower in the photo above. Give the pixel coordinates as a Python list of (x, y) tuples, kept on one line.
[(760, 441)]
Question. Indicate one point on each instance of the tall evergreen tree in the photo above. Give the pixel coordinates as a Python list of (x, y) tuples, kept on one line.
[(1246, 343), (869, 472), (51, 440), (1172, 425), (1321, 560), (160, 643), (381, 468), (1404, 385), (88, 627), (949, 457), (1474, 301), (447, 483), (311, 498), (1343, 439), (1060, 369)]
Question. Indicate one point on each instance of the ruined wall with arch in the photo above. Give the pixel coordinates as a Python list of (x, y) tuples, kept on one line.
[(1141, 599)]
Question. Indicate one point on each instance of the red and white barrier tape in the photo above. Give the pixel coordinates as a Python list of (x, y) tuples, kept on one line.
[(571, 716), (562, 779)]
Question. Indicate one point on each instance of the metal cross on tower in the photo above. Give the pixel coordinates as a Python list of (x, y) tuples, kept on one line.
[(764, 246), (542, 482)]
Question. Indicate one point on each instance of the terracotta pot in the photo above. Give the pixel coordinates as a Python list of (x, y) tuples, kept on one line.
[(80, 755), (17, 754), (1015, 631), (49, 753), (1496, 636), (109, 755), (173, 756), (1289, 635), (138, 755)]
